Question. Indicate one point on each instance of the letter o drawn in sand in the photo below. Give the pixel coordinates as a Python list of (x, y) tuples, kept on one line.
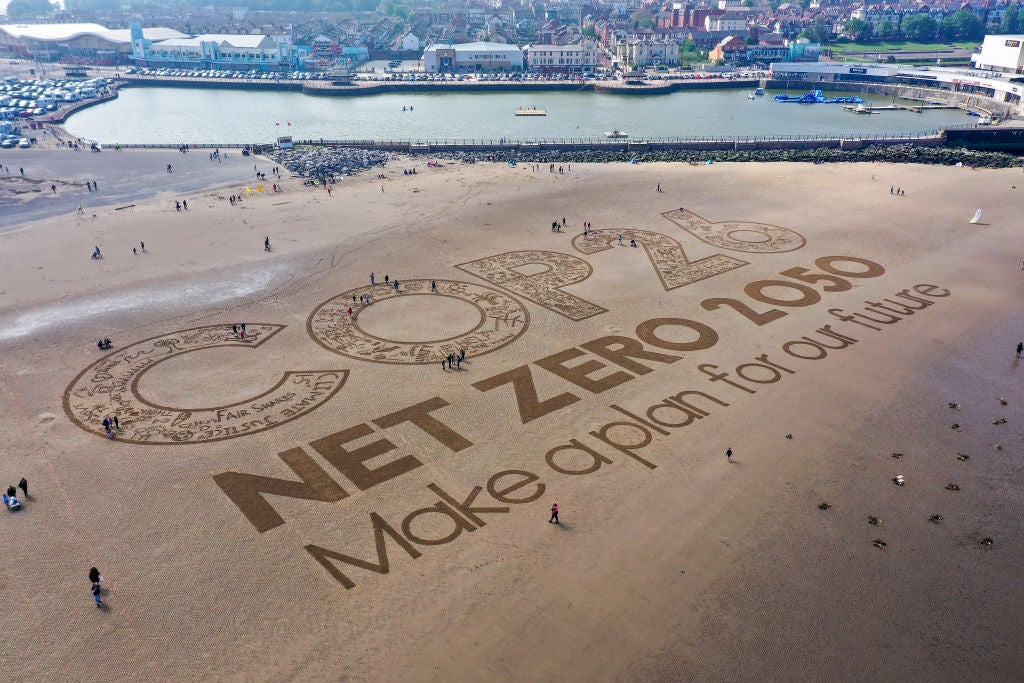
[(110, 387), (499, 320)]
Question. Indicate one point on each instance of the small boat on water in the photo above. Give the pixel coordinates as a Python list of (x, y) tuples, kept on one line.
[(750, 96), (818, 97), (616, 134), (759, 91), (531, 111)]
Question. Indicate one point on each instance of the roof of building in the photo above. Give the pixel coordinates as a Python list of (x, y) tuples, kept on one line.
[(62, 32), (230, 39), (470, 47)]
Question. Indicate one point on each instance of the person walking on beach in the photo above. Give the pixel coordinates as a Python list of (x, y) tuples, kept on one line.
[(168, 168), (1020, 348), (554, 514), (142, 247), (266, 243), (433, 286), (243, 330), (234, 330), (184, 203), (659, 188), (373, 278), (23, 485), (728, 454), (53, 188)]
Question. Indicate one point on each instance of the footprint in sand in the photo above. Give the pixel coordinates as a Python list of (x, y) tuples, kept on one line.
[(45, 419)]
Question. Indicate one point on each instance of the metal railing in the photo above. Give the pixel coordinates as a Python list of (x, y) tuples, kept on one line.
[(512, 144)]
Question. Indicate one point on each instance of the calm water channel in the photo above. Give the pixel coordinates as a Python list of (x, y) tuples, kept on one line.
[(175, 115)]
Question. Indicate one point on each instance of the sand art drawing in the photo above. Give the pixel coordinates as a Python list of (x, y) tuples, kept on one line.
[(539, 276), (502, 320), (110, 387)]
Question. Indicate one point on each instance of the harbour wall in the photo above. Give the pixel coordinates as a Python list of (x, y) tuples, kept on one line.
[(705, 144)]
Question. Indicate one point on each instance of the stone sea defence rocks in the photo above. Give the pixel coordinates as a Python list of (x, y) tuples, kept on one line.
[(328, 162), (900, 154), (324, 162)]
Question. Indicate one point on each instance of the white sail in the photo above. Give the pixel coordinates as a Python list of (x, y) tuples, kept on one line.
[(976, 217)]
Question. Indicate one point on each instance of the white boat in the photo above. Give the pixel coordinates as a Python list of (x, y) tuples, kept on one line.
[(531, 111), (750, 96), (616, 134)]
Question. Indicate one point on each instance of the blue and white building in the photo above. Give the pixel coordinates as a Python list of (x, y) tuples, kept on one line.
[(253, 52)]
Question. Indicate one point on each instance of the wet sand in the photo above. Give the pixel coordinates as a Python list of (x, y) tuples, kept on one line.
[(670, 562)]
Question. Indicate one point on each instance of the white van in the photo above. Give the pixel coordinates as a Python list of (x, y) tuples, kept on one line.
[(45, 101), (72, 97)]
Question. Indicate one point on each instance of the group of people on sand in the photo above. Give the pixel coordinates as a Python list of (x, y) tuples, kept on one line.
[(454, 360), (110, 425)]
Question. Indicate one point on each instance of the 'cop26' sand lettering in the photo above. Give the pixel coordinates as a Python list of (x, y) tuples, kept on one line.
[(110, 387), (501, 321), (541, 276)]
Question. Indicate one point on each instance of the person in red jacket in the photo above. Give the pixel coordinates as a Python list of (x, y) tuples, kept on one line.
[(554, 514)]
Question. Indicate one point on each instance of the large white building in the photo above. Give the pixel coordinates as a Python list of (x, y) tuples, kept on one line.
[(254, 52), (573, 58), (648, 52), (81, 43), (472, 58), (1003, 53)]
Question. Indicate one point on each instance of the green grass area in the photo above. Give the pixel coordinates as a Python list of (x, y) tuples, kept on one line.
[(899, 46)]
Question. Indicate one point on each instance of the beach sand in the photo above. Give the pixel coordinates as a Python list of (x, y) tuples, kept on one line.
[(670, 562)]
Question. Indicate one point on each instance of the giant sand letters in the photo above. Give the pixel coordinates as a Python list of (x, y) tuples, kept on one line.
[(110, 387), (502, 320)]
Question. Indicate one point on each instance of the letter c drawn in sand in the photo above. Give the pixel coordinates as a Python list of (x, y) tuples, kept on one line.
[(110, 387)]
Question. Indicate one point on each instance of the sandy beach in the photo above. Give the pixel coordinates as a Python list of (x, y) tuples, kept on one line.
[(321, 499)]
